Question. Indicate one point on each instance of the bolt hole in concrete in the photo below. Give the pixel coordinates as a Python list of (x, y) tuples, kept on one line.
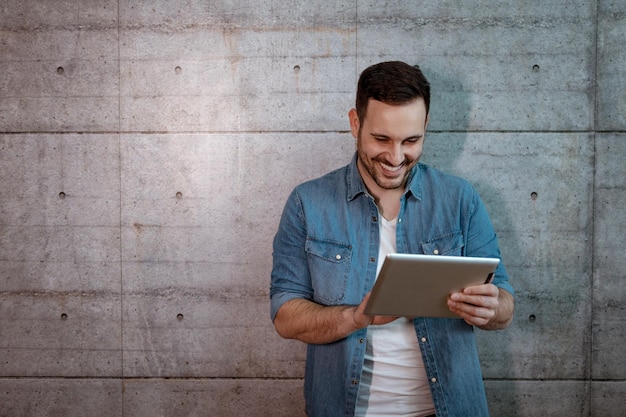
[(533, 196), (532, 317), (179, 195), (296, 69), (61, 195), (178, 70), (536, 68), (179, 316), (60, 70), (63, 316)]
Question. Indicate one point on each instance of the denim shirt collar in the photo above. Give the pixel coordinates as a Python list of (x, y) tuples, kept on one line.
[(356, 186)]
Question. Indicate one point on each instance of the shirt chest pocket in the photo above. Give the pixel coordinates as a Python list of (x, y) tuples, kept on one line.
[(450, 244), (329, 266)]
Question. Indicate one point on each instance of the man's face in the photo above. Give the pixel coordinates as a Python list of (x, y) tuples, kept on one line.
[(389, 142)]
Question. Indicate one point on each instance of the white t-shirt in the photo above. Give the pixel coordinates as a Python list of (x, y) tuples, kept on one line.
[(394, 381)]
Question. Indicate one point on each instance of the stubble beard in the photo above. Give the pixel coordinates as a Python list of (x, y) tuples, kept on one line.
[(372, 166)]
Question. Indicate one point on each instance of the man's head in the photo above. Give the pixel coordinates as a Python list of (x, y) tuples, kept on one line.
[(392, 82), (389, 124)]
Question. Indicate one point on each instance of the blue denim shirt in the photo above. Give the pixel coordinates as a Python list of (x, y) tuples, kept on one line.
[(325, 250)]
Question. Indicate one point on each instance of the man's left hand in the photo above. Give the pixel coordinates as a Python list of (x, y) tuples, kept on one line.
[(477, 304)]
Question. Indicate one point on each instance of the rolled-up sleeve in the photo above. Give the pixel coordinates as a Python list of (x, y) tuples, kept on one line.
[(290, 272)]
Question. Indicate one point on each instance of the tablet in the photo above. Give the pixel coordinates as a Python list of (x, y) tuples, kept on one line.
[(411, 285)]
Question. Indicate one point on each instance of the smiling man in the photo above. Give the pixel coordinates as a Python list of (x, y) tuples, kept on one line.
[(335, 232)]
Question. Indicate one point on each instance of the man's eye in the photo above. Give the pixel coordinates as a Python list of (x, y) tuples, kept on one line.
[(412, 140)]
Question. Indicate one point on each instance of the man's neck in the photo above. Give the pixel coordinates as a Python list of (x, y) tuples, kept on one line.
[(389, 203)]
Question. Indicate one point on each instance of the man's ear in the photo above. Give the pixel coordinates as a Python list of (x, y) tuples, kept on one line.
[(355, 124)]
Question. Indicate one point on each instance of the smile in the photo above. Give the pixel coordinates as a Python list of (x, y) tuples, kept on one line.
[(389, 168)]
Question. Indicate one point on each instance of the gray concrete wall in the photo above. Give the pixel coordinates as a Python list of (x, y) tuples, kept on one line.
[(147, 148)]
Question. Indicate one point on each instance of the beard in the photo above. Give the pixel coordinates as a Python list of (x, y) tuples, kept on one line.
[(377, 173)]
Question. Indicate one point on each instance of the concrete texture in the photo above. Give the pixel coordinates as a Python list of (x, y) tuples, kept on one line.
[(147, 148)]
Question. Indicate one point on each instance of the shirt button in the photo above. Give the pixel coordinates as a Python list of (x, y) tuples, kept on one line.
[(337, 257), (361, 340), (355, 381), (433, 380), (372, 259), (423, 340), (436, 251), (374, 219)]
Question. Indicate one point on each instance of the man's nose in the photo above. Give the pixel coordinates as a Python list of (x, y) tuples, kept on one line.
[(396, 154)]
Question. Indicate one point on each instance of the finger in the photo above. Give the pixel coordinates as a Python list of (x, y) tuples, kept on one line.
[(486, 301), (363, 302), (472, 314), (483, 289)]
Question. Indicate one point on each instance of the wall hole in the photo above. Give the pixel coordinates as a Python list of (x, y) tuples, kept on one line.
[(536, 68), (179, 195), (532, 317), (61, 195), (178, 70), (533, 196), (60, 70), (179, 316), (296, 69), (63, 316)]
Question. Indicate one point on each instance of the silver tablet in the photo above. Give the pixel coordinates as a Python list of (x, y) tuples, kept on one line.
[(419, 285)]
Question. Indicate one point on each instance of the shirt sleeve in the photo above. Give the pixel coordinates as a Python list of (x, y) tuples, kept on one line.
[(482, 241), (290, 277)]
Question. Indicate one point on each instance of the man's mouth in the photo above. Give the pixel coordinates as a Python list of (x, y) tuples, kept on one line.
[(390, 169)]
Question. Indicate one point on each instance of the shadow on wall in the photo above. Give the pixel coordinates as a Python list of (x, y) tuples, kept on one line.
[(445, 147)]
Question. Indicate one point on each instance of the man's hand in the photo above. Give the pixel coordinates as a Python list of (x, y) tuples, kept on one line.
[(363, 320), (485, 306)]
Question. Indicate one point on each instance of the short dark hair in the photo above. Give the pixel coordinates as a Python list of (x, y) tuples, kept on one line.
[(391, 82)]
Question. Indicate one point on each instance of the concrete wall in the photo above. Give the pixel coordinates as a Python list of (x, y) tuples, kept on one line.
[(147, 148)]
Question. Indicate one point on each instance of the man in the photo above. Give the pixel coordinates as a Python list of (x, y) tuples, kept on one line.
[(333, 235)]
